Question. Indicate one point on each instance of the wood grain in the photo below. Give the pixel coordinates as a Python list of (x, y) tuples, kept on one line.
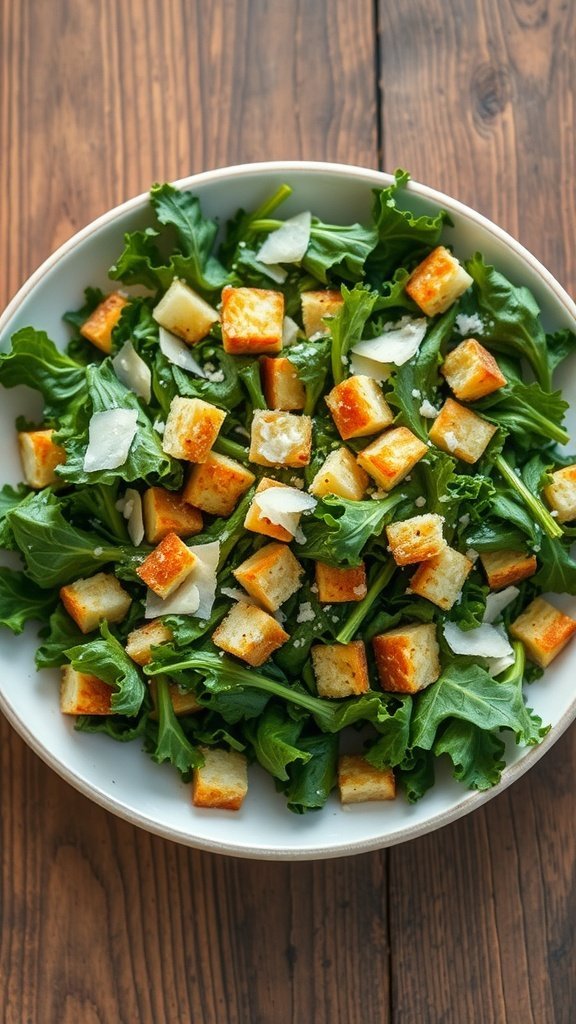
[(100, 921)]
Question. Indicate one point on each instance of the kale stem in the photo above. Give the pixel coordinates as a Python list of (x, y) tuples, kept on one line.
[(269, 205), (534, 505), (356, 618), (265, 224), (224, 446)]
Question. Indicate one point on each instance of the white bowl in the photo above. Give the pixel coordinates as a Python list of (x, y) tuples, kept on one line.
[(121, 777)]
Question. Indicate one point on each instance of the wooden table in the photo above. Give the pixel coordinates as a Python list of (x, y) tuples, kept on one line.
[(100, 921)]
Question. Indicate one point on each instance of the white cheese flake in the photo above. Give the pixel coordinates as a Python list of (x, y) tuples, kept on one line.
[(486, 641), (178, 353), (451, 440), (306, 612), (397, 344), (472, 324), (283, 506), (110, 435), (288, 244), (132, 371), (497, 602), (429, 411), (196, 595), (420, 501), (290, 332), (132, 512)]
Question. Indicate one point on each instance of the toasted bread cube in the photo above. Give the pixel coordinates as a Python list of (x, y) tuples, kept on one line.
[(102, 321), (184, 702), (84, 694), (40, 455), (461, 432), (166, 512), (281, 384), (391, 456), (256, 522), (359, 781), (561, 493), (416, 539), (471, 371), (437, 282), (317, 305), (185, 313), (358, 407), (280, 439), (543, 630), (340, 474), (222, 781), (89, 601), (271, 575), (252, 320), (503, 568), (407, 658), (440, 579), (341, 670), (217, 484), (191, 428), (249, 633), (165, 568), (140, 642), (337, 585)]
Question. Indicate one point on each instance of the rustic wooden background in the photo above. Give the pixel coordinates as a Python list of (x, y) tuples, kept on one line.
[(101, 922)]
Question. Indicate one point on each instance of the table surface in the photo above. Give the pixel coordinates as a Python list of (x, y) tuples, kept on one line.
[(100, 921)]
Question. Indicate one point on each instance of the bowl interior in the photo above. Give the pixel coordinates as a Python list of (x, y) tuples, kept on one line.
[(120, 776)]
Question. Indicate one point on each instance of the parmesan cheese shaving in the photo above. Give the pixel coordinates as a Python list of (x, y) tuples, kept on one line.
[(110, 435), (132, 512), (398, 343), (486, 641), (290, 331), (196, 595), (496, 603), (283, 506), (132, 371), (178, 352), (288, 244)]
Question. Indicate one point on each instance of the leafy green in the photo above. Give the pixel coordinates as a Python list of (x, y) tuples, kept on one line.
[(338, 529), (141, 261), (274, 738), (347, 326), (338, 249), (527, 409), (171, 743), (35, 361), (402, 236), (10, 498), (60, 634), (476, 754), (312, 360), (105, 658), (419, 378), (54, 551), (557, 572), (511, 318), (20, 600), (146, 458), (311, 782)]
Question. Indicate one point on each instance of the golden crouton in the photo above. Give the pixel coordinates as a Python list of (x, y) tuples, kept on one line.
[(257, 522), (40, 455), (166, 512), (165, 568), (416, 539), (440, 579), (317, 305), (561, 493), (543, 630), (437, 282), (102, 321), (340, 474), (391, 456), (185, 313), (407, 658), (217, 484), (191, 428), (222, 781), (282, 387), (280, 439), (461, 432), (503, 568), (271, 575), (340, 669), (252, 320), (337, 585), (83, 694), (358, 407), (140, 642), (471, 371), (249, 633), (359, 781), (89, 601), (184, 702)]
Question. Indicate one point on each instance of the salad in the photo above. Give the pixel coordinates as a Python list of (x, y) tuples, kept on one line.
[(296, 499)]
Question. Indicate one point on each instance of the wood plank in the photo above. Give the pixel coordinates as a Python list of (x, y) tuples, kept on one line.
[(101, 922), (481, 106)]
